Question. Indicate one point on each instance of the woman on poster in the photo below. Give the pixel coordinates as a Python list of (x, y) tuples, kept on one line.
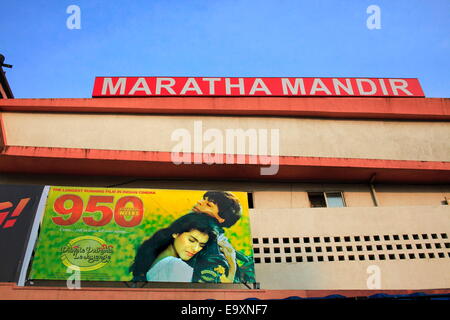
[(167, 256)]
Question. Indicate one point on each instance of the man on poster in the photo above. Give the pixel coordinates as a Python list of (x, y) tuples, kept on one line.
[(216, 262)]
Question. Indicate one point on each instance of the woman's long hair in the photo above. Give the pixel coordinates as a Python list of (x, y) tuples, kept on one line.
[(152, 247)]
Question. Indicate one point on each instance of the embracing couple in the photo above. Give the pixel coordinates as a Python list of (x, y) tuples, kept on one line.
[(194, 248)]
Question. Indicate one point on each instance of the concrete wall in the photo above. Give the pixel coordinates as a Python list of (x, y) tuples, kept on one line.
[(361, 139), (352, 248)]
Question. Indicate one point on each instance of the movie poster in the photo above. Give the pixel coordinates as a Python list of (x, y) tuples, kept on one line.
[(145, 235)]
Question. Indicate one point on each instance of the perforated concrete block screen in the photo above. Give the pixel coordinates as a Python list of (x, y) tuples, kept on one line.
[(352, 248)]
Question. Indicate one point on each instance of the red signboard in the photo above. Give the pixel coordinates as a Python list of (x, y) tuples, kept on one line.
[(255, 87)]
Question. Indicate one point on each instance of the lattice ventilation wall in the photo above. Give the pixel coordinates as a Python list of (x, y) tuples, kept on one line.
[(351, 248), (326, 248)]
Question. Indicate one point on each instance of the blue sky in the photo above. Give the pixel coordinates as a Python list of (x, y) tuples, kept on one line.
[(278, 38)]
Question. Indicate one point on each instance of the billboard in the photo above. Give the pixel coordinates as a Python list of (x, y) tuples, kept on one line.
[(144, 235), (18, 206), (255, 87)]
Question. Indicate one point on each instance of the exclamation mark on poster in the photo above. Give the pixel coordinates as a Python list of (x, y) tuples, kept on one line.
[(17, 211)]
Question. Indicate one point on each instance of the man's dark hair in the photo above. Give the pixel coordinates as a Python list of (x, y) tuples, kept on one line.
[(149, 250), (229, 206)]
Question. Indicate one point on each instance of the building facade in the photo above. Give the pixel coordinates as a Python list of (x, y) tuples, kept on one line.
[(346, 194)]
